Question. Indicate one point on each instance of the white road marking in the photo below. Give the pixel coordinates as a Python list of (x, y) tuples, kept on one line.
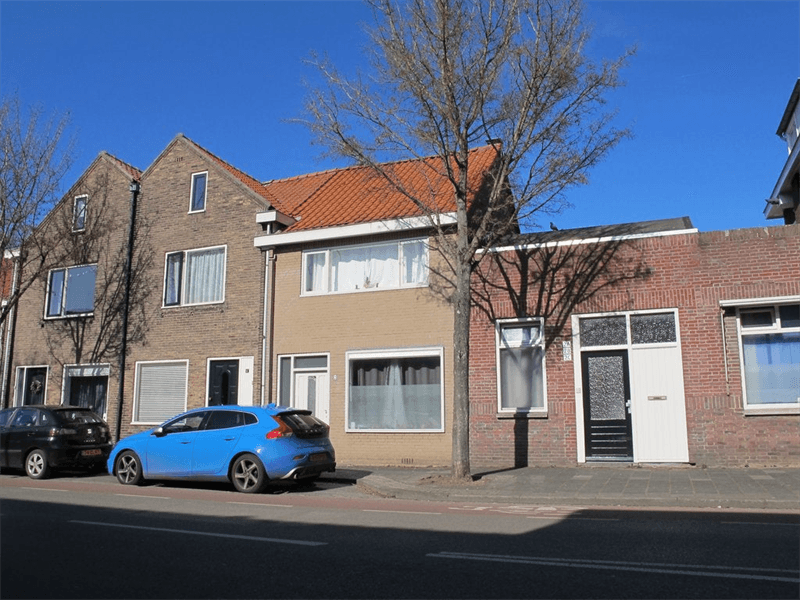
[(261, 504), (44, 489), (659, 568), (401, 512), (143, 496), (205, 533)]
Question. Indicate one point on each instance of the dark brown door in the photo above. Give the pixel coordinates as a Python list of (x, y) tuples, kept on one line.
[(223, 383), (606, 405)]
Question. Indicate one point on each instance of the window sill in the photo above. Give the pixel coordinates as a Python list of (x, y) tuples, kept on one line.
[(538, 414), (754, 411)]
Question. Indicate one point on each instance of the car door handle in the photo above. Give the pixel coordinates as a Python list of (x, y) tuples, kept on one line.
[(186, 442), (230, 439)]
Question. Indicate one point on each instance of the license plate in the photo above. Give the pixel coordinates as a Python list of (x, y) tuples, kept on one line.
[(318, 457), (95, 452)]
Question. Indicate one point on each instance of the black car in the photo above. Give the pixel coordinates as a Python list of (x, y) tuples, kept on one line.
[(41, 438)]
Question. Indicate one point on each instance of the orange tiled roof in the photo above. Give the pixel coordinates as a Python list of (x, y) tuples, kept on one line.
[(357, 195)]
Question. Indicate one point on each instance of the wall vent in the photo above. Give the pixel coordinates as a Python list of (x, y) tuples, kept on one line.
[(406, 461)]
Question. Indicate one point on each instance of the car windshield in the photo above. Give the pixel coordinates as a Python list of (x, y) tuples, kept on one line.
[(77, 417)]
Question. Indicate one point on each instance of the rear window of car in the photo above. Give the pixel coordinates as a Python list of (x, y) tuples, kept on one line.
[(77, 417), (300, 422)]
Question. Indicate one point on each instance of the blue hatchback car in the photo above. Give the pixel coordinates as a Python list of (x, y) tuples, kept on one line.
[(246, 445)]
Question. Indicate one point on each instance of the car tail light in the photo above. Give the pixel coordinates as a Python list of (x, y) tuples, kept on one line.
[(54, 431), (282, 430)]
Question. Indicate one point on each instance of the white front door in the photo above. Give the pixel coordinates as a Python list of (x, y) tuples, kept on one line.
[(658, 405), (311, 393)]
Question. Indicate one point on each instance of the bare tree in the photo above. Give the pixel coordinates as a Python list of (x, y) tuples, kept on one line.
[(97, 338), (34, 156), (449, 75)]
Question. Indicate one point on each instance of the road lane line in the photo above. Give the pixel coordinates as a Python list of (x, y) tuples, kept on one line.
[(143, 496), (656, 568), (401, 512), (204, 533), (261, 504), (44, 489)]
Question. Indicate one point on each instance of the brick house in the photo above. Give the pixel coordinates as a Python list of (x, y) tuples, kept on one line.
[(66, 328), (647, 342), (358, 329)]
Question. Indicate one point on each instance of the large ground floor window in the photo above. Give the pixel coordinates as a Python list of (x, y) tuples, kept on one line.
[(395, 391), (87, 386), (770, 345)]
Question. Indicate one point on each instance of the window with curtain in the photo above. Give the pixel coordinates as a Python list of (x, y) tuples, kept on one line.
[(70, 292), (195, 277), (520, 357), (366, 267), (770, 339), (395, 393)]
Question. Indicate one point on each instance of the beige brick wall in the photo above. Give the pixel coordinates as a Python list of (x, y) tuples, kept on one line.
[(374, 320), (230, 329)]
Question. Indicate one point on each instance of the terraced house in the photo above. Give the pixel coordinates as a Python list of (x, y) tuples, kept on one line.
[(317, 291)]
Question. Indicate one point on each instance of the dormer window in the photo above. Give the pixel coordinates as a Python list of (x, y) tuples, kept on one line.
[(198, 199), (79, 213)]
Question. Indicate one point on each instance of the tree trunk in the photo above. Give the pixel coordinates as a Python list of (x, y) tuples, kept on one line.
[(461, 317)]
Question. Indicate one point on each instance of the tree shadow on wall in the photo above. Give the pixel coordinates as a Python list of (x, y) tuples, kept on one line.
[(553, 275)]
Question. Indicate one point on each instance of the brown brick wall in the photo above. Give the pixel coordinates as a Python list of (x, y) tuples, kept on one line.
[(692, 273), (229, 329)]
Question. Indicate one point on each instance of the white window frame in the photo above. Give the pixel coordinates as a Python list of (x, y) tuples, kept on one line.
[(326, 277), (76, 370), (421, 352), (184, 261), (137, 388), (293, 369), (65, 291), (82, 212), (195, 176), (775, 327), (20, 382), (499, 346)]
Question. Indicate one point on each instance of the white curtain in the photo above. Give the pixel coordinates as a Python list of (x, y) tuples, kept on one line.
[(365, 267), (415, 259), (205, 276), (315, 272)]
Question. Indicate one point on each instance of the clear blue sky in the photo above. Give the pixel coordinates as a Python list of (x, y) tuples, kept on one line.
[(705, 92)]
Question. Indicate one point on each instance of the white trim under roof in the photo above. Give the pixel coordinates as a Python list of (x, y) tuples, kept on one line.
[(274, 216), (593, 240), (759, 301), (348, 231)]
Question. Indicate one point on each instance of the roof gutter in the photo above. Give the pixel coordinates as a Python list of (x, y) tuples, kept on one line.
[(348, 231)]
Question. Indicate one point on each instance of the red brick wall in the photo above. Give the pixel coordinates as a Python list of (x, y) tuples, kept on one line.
[(690, 272)]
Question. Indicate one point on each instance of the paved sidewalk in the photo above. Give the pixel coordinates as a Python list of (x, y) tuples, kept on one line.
[(614, 485)]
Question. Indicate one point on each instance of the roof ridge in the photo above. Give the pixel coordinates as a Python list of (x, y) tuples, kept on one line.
[(134, 170), (354, 167)]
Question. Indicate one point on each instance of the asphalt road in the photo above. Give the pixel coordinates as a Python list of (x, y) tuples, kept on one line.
[(88, 537)]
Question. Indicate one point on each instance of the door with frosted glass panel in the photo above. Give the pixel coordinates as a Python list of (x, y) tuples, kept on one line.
[(606, 405), (311, 393)]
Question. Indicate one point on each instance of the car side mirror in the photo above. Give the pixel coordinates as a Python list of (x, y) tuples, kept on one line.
[(159, 432)]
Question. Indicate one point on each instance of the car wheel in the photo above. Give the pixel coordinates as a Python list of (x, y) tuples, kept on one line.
[(36, 466), (128, 468), (248, 474)]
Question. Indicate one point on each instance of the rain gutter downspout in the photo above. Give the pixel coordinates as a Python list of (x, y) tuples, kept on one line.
[(266, 331), (134, 188), (11, 324)]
